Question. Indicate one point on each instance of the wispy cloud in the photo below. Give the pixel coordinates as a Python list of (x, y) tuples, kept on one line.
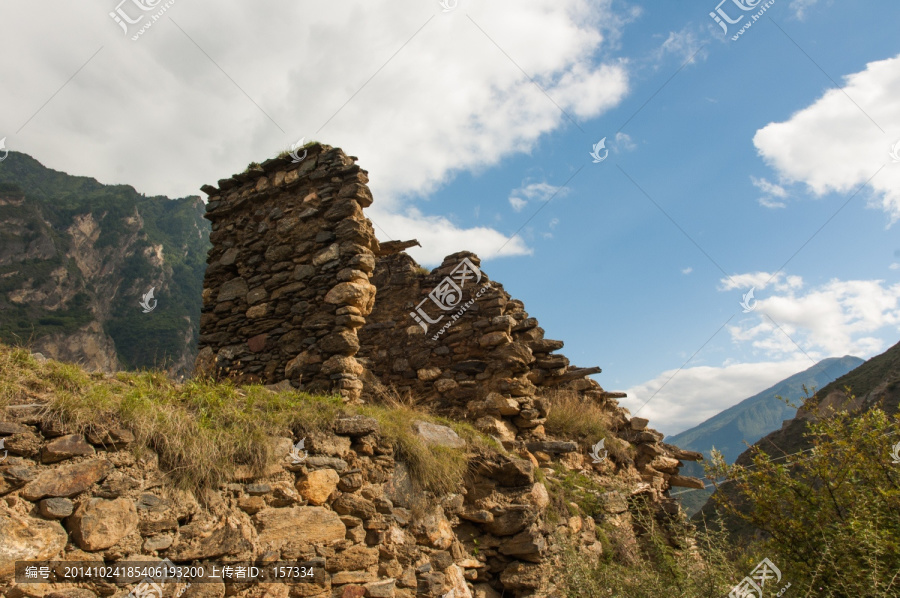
[(684, 45), (801, 6), (760, 280), (534, 192), (623, 142), (772, 193)]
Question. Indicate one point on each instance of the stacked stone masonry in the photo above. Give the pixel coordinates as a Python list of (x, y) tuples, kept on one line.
[(348, 508), (287, 284), (300, 292)]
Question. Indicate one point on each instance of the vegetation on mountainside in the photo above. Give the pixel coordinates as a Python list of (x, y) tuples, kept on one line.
[(734, 429), (130, 225), (827, 519), (704, 566), (829, 514), (203, 431)]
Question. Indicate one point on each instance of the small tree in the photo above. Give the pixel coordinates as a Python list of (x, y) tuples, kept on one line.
[(831, 513)]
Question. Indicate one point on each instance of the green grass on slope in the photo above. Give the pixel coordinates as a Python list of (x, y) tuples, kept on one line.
[(203, 430)]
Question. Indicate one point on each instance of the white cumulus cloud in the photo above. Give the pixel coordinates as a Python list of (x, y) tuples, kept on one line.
[(842, 139), (418, 95), (840, 317)]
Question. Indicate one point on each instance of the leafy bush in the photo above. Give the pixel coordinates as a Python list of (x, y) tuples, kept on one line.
[(828, 514)]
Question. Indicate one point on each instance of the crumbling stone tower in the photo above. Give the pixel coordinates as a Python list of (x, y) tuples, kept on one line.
[(287, 284), (290, 298)]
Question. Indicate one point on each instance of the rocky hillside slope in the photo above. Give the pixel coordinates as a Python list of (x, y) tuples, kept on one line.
[(76, 259), (379, 500)]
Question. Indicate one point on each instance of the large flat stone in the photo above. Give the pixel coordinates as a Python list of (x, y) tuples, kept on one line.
[(358, 425), (312, 525), (553, 447), (439, 435), (99, 524), (27, 539), (68, 480), (528, 545), (515, 472), (318, 485), (13, 477), (66, 447), (232, 536), (686, 482)]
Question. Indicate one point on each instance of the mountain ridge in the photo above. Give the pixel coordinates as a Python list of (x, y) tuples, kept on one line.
[(751, 419), (874, 383), (76, 256)]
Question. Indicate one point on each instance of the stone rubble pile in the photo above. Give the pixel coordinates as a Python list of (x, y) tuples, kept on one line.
[(349, 508)]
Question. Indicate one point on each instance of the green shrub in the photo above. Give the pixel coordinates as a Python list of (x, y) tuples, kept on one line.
[(829, 515)]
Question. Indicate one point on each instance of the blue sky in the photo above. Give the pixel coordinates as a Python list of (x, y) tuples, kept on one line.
[(726, 158)]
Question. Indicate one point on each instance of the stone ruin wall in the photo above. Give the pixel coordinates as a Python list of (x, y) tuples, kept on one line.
[(487, 365), (493, 367), (290, 299), (287, 284), (298, 289)]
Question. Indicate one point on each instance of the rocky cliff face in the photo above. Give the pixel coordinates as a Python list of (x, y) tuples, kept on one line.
[(76, 259)]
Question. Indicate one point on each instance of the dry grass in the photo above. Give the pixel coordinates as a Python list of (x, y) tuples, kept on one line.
[(437, 469), (203, 430), (574, 418)]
